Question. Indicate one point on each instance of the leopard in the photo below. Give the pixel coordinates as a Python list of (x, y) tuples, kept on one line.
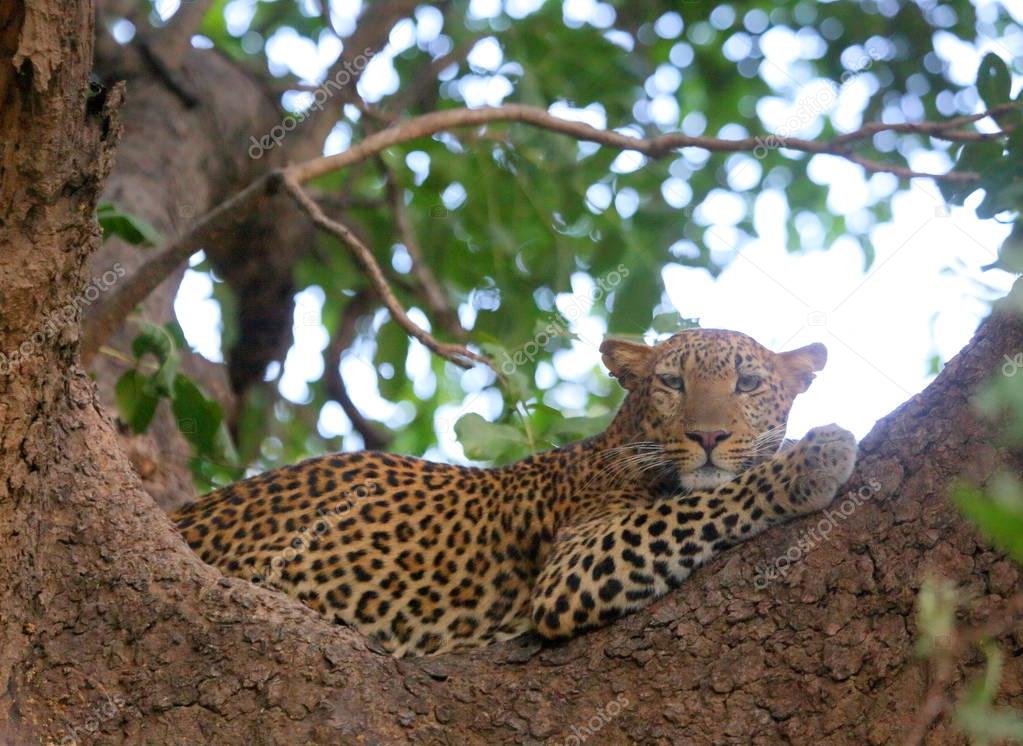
[(426, 558)]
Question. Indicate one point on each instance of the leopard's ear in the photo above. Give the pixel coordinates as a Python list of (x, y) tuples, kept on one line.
[(627, 361), (798, 366)]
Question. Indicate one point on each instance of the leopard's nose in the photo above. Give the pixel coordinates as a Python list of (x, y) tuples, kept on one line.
[(708, 438)]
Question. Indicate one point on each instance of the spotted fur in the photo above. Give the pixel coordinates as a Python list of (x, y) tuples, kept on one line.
[(428, 558)]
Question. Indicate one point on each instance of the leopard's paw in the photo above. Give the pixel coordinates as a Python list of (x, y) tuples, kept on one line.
[(828, 457)]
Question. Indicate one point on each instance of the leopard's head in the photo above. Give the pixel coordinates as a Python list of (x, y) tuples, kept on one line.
[(710, 403)]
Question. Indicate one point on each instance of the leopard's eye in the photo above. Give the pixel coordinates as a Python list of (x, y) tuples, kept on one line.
[(672, 382), (747, 383)]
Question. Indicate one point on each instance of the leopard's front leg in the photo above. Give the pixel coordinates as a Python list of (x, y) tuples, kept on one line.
[(622, 560), (808, 474)]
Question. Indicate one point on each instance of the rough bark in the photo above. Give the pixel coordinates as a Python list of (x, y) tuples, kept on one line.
[(111, 631)]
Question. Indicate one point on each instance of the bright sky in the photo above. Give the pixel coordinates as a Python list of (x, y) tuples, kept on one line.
[(924, 294)]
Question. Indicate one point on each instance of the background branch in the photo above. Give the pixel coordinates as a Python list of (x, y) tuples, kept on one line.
[(170, 43), (458, 354), (656, 147), (138, 286), (369, 37)]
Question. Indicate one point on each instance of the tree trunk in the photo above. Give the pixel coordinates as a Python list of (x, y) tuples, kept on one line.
[(112, 631), (189, 120)]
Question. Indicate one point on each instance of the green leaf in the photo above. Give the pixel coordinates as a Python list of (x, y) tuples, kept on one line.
[(1014, 145), (392, 350), (567, 429), (994, 83), (199, 418), (998, 513), (1010, 254), (125, 226), (513, 365), (489, 441), (136, 402), (158, 341), (981, 157), (177, 334)]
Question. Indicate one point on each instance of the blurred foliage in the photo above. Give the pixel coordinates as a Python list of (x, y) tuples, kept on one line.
[(154, 375), (982, 722), (939, 640), (532, 233), (997, 507)]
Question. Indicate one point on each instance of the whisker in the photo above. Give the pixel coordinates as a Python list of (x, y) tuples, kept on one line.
[(624, 460)]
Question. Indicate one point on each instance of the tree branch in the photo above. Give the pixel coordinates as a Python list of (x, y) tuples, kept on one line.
[(947, 130), (170, 43), (656, 147), (458, 354), (142, 283)]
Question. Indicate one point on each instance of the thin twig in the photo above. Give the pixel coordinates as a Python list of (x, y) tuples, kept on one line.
[(458, 354), (946, 130)]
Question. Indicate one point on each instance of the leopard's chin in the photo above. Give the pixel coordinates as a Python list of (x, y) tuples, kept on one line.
[(705, 478)]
